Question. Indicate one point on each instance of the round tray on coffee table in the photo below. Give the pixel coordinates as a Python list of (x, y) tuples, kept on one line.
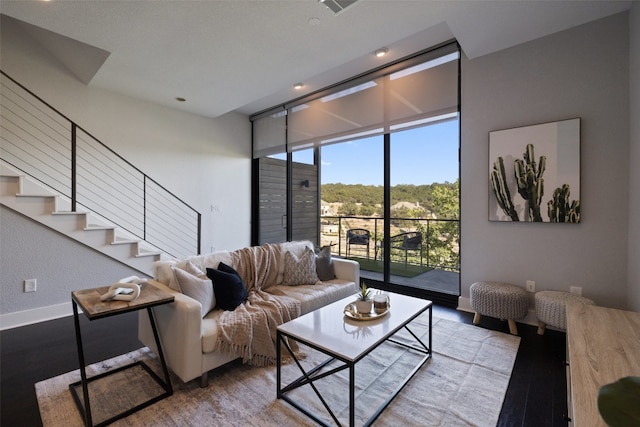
[(352, 314)]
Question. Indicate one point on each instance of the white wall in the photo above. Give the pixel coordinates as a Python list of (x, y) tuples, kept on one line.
[(582, 72), (204, 161), (634, 160)]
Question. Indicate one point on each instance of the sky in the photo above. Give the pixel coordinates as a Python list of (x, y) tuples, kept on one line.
[(418, 156)]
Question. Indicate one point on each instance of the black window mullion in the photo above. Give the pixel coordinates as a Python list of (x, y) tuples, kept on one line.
[(387, 208)]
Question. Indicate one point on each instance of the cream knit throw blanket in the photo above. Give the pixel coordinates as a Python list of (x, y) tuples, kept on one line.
[(250, 330)]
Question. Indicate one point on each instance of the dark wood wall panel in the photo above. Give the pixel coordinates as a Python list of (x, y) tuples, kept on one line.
[(305, 208), (273, 201)]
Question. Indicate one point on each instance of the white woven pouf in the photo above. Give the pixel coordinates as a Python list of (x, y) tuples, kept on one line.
[(500, 300), (551, 308)]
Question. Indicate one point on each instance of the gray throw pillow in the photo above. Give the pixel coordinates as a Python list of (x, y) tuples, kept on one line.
[(324, 264)]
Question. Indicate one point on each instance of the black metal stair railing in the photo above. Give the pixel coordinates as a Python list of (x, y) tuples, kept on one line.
[(44, 144)]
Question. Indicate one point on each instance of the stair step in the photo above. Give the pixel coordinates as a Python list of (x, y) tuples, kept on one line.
[(68, 213), (145, 254), (124, 242), (99, 227), (35, 195)]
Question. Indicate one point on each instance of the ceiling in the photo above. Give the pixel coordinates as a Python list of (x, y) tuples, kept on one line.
[(245, 56)]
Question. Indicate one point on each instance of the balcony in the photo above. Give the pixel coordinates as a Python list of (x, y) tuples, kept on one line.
[(424, 251)]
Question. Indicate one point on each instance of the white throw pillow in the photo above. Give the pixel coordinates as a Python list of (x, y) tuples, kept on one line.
[(300, 271), (198, 288)]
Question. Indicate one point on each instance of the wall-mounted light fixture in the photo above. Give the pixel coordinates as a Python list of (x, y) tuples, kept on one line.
[(305, 183)]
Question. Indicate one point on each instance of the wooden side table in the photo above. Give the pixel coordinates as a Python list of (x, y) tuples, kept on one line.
[(603, 345), (93, 308)]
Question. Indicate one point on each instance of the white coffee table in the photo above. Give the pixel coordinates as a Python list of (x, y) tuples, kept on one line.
[(330, 332)]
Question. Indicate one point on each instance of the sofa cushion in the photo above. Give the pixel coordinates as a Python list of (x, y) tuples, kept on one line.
[(300, 271), (312, 297), (324, 264), (229, 289), (210, 330), (198, 288)]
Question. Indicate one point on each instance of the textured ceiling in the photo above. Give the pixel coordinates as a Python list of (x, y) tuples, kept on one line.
[(245, 56)]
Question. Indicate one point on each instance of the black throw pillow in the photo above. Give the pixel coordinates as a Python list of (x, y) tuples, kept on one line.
[(227, 269), (229, 289)]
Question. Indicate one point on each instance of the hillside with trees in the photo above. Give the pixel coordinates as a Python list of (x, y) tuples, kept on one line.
[(441, 199)]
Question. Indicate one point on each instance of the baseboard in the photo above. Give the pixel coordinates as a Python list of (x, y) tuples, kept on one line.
[(36, 315), (464, 304)]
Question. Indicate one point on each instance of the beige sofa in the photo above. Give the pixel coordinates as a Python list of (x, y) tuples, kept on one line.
[(188, 339)]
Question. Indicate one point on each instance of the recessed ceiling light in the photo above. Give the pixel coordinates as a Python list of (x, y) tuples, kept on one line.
[(298, 86), (381, 52), (180, 99), (314, 22)]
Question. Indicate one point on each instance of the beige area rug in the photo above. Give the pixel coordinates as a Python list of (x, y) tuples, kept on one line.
[(463, 384)]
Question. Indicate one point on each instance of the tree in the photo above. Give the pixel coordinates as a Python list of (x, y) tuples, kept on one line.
[(446, 199), (443, 236), (348, 209), (367, 210)]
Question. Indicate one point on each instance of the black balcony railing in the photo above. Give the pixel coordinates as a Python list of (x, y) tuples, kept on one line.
[(46, 145), (438, 245)]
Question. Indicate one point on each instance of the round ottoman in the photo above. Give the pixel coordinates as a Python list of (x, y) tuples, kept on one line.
[(500, 300), (550, 308)]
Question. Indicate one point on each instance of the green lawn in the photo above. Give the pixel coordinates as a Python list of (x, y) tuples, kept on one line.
[(397, 268)]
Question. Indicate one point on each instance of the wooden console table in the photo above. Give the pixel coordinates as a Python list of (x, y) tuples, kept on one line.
[(603, 345)]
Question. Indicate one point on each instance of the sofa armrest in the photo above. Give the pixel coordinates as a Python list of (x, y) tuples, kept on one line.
[(346, 269), (180, 329)]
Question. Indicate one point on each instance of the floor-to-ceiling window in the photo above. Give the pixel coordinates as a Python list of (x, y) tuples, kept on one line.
[(373, 164), (424, 212)]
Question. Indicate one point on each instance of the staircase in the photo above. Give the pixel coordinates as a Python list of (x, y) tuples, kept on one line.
[(25, 195), (55, 172)]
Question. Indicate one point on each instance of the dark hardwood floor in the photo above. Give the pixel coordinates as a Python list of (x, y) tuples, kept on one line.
[(536, 395)]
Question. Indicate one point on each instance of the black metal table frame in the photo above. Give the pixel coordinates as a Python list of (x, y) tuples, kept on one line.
[(85, 410), (312, 375)]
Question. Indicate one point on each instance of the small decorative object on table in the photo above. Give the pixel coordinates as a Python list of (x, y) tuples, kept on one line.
[(364, 303), (381, 303), (368, 305)]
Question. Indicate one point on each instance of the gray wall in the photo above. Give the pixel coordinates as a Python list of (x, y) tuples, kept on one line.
[(582, 72), (634, 161), (60, 265)]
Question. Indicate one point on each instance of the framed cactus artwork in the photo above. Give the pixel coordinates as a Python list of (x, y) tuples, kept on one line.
[(534, 173)]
